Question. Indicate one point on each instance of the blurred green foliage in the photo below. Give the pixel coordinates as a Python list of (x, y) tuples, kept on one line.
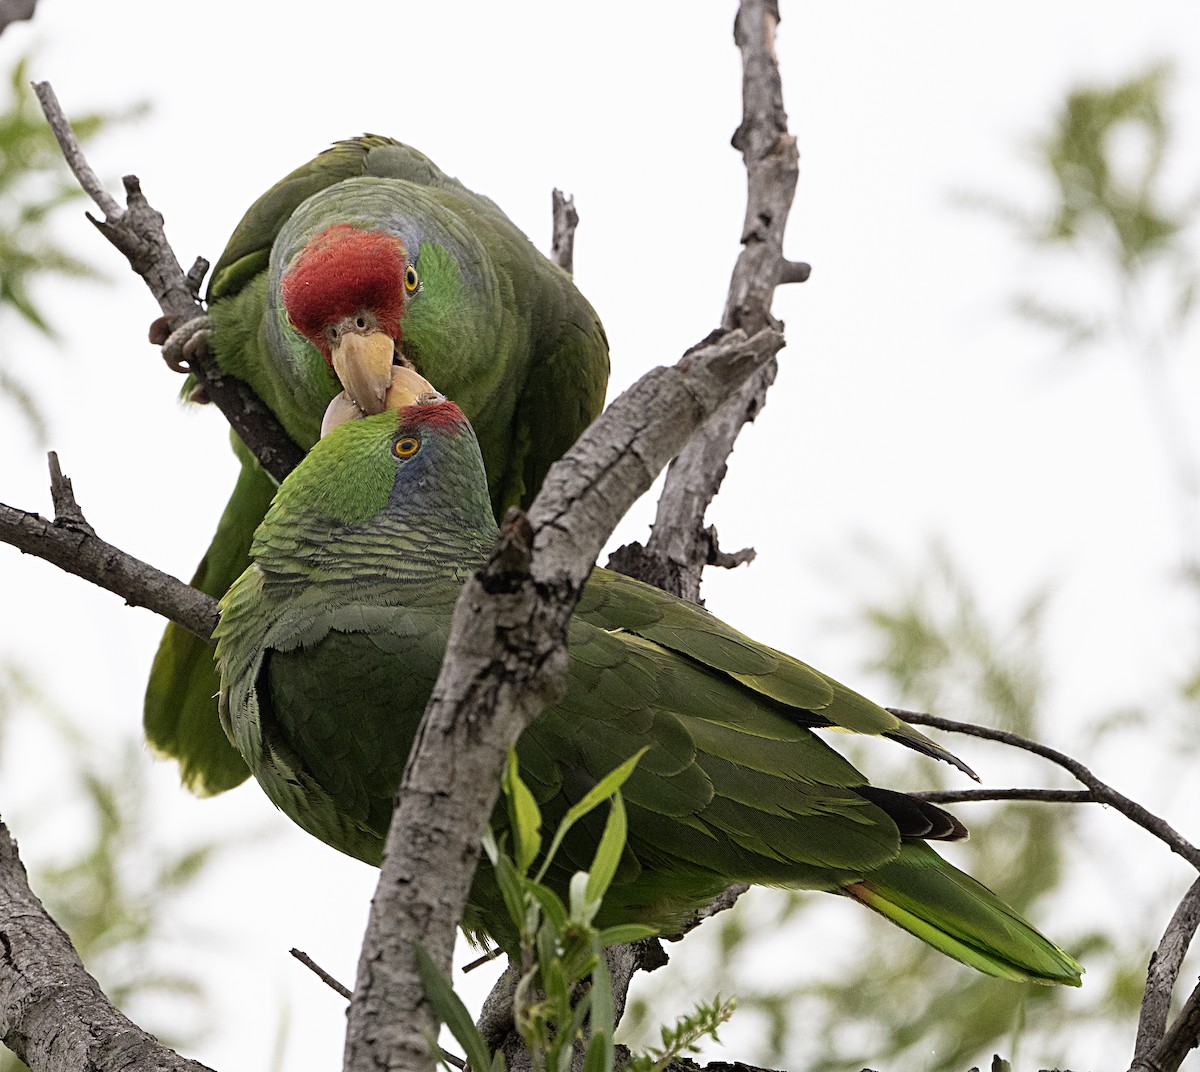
[(1106, 192), (562, 999), (1127, 239), (34, 182)]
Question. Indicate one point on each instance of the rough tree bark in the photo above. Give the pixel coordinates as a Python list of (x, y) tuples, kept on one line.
[(15, 11), (53, 1014)]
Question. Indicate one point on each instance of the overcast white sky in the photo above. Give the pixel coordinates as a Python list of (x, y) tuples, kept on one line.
[(909, 403)]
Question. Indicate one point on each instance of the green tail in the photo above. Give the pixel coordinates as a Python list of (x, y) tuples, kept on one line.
[(958, 916), (180, 710)]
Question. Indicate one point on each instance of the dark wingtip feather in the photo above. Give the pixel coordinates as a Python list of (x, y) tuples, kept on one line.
[(935, 751), (916, 819)]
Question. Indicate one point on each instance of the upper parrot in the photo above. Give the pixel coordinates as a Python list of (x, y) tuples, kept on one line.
[(363, 260), (329, 645)]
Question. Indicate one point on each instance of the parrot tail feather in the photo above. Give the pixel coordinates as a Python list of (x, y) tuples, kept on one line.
[(933, 900)]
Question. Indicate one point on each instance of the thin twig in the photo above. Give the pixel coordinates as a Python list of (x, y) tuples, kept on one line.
[(1154, 1050), (971, 796), (1104, 793), (566, 219), (67, 513), (137, 231), (73, 154), (479, 962), (81, 552), (322, 974), (726, 559), (679, 546)]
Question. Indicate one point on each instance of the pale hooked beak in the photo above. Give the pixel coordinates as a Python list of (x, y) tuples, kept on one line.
[(363, 364), (407, 387)]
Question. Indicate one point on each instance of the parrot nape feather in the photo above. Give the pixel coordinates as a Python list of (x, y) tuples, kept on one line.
[(329, 645), (364, 262)]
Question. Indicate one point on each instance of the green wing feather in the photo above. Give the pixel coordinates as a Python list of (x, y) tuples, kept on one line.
[(687, 629)]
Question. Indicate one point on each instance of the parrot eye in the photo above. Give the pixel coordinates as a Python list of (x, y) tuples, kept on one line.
[(411, 281), (406, 447)]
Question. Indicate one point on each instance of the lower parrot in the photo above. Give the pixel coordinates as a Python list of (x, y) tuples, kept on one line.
[(366, 260), (329, 644)]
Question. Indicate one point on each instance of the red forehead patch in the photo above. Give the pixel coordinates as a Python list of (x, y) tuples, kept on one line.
[(438, 417), (342, 271)]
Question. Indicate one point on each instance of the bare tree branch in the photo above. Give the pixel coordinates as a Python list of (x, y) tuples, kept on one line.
[(1156, 1049), (1163, 973), (1179, 1041), (62, 495), (73, 153), (15, 11), (679, 546), (71, 544), (1104, 793), (137, 231), (505, 660), (53, 1015)]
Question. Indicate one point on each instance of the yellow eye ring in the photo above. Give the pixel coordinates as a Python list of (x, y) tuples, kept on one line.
[(411, 281), (406, 447)]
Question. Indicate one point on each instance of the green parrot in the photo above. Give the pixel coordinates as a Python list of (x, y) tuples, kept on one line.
[(358, 264), (329, 645)]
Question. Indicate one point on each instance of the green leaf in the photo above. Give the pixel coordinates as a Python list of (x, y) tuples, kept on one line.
[(608, 853), (489, 845), (599, 1053), (576, 1025), (577, 898), (449, 1009), (524, 815), (603, 1012), (551, 905), (624, 933), (600, 792), (511, 889)]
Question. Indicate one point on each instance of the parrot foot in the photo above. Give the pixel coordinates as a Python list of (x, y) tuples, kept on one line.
[(181, 344)]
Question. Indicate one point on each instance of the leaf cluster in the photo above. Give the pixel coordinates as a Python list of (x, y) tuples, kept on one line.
[(1105, 185), (562, 1000)]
